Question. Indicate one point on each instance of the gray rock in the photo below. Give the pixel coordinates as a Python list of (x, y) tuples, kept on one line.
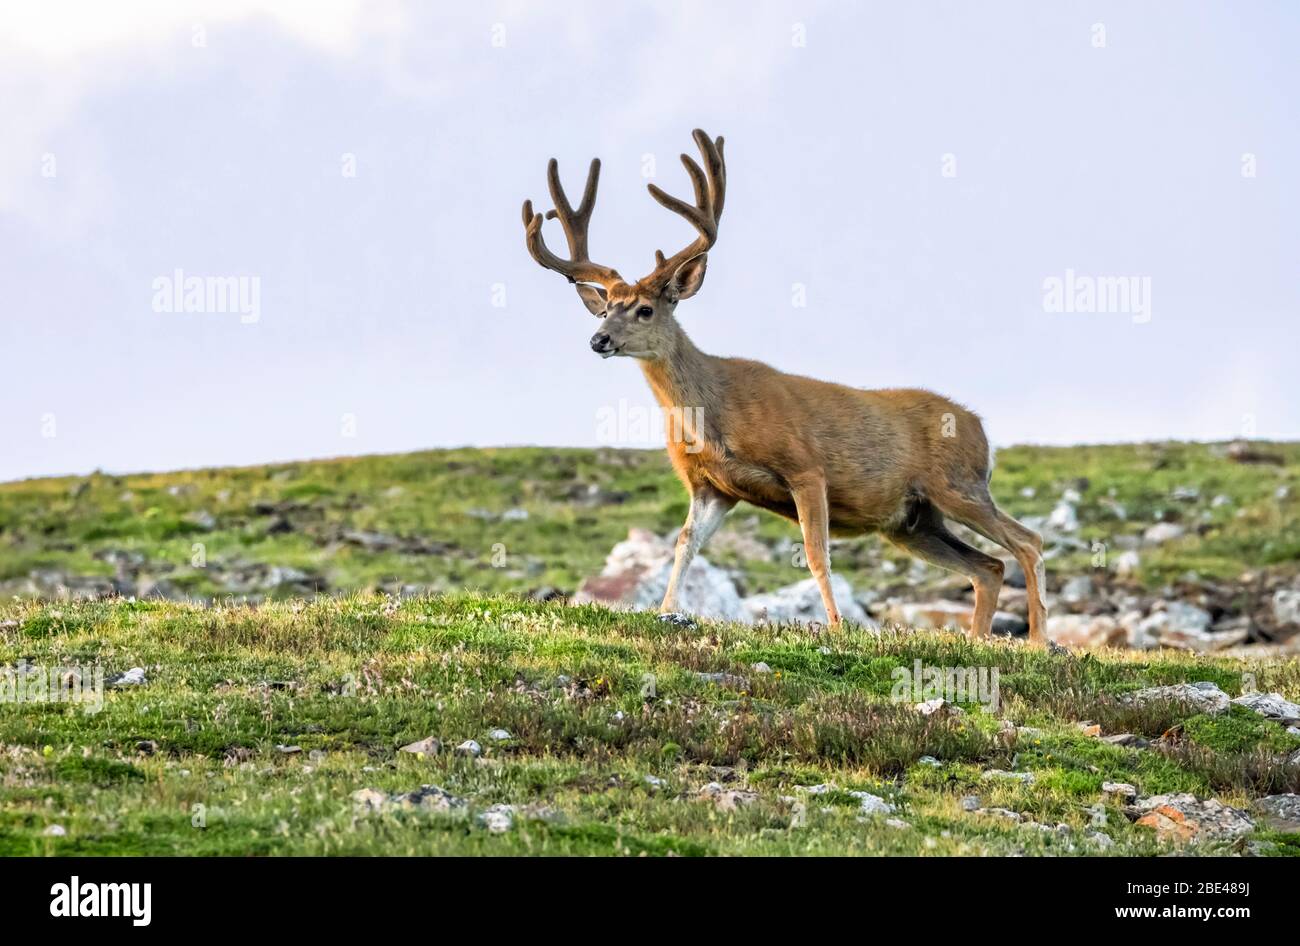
[(970, 803), (1077, 589), (1122, 791), (802, 603), (131, 678), (1026, 777), (1204, 696), (1280, 812), (1286, 606), (1184, 817), (498, 819), (1273, 706), (729, 680), (469, 748), (429, 746), (1162, 532)]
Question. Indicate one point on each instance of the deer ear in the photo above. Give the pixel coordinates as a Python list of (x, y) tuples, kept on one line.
[(689, 277), (593, 297)]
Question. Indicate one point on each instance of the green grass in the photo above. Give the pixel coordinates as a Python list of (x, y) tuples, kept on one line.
[(189, 764), (449, 504)]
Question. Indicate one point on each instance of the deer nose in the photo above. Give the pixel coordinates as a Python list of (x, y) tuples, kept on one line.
[(600, 341)]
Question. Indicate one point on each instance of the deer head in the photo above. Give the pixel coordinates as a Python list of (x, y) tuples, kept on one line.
[(637, 320)]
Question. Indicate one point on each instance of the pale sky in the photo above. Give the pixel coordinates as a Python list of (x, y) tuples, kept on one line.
[(912, 172)]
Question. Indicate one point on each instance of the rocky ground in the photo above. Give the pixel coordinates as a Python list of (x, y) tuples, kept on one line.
[(470, 724), (1184, 546), (442, 653)]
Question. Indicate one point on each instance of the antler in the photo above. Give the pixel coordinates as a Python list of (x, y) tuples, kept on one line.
[(578, 268), (704, 216)]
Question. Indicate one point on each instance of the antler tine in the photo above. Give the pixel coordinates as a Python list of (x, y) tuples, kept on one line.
[(710, 185), (579, 267)]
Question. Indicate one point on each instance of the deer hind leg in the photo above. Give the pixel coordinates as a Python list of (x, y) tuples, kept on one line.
[(814, 519), (708, 509), (927, 537), (1024, 543)]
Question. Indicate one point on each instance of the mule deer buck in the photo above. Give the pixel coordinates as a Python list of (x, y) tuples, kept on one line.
[(834, 459)]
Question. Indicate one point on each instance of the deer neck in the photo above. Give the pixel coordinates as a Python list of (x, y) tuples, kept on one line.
[(684, 377)]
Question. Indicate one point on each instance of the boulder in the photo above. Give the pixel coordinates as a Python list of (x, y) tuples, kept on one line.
[(1280, 812), (1272, 706), (802, 602), (1184, 817), (636, 576), (1204, 696), (1085, 630)]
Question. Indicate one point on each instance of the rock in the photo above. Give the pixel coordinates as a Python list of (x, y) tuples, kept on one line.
[(368, 799), (676, 619), (1085, 630), (1184, 817), (131, 678), (1186, 494), (1126, 563), (498, 819), (1126, 739), (653, 781), (1184, 626), (1063, 517), (929, 615), (1005, 813), (636, 576), (938, 705), (930, 761), (970, 803), (1162, 532), (1220, 501), (729, 680), (469, 748), (1280, 812), (869, 804), (761, 667), (1273, 706), (1077, 589), (727, 799), (1121, 791), (55, 831), (146, 747), (1286, 606), (288, 750), (802, 603), (429, 746), (427, 798), (517, 514), (1026, 778), (499, 735), (1006, 624), (1101, 840), (1204, 696), (897, 823)]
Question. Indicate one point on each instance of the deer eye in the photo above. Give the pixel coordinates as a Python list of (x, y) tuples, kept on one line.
[(644, 312)]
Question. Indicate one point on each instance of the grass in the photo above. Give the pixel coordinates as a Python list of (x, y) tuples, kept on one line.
[(593, 701), (460, 519)]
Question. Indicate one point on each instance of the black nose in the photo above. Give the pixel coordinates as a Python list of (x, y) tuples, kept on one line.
[(599, 341)]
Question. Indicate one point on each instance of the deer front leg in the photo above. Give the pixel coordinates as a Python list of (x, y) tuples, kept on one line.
[(708, 509), (814, 518)]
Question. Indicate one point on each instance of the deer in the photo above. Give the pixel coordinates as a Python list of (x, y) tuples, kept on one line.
[(836, 460)]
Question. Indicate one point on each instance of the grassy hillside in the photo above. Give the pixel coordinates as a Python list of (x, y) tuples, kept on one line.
[(271, 719), (276, 729), (527, 519)]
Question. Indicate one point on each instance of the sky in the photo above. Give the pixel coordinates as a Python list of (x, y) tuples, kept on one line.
[(919, 195)]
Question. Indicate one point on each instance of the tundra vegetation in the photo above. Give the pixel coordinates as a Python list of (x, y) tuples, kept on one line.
[(271, 720)]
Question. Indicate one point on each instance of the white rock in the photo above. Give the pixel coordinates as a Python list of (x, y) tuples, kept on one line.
[(469, 748), (1274, 706), (1126, 563), (636, 576), (872, 804), (1064, 518), (761, 667), (1162, 532), (1205, 696), (499, 735), (429, 746), (1286, 606), (498, 819), (132, 678), (55, 831), (802, 603), (1076, 589)]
